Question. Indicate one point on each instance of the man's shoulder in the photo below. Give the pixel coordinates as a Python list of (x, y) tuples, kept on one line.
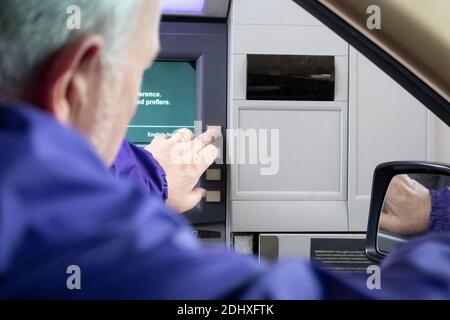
[(25, 129), (56, 195)]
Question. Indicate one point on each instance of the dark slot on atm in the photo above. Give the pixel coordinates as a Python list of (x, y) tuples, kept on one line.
[(290, 77)]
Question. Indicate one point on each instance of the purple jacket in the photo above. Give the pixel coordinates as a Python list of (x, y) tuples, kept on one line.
[(138, 166), (440, 212), (61, 207)]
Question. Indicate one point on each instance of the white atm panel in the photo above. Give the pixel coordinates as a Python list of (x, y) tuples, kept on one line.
[(288, 216), (312, 157), (275, 39)]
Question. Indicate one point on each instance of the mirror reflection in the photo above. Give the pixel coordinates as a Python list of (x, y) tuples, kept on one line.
[(414, 205)]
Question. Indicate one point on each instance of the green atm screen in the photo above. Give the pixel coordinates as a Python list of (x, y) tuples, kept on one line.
[(166, 102)]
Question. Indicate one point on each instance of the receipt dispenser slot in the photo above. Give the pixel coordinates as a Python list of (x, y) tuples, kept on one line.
[(290, 77)]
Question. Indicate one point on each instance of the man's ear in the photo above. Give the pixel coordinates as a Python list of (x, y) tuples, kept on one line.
[(63, 84)]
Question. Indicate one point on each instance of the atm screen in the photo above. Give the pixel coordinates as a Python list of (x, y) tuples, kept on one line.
[(166, 101)]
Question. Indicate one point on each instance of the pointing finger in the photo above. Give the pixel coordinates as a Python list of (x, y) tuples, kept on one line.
[(182, 135), (205, 139)]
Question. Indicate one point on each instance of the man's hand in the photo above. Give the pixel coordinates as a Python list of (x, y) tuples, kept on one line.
[(184, 159), (408, 206)]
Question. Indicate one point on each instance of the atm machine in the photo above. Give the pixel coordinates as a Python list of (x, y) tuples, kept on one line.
[(206, 76), (187, 88)]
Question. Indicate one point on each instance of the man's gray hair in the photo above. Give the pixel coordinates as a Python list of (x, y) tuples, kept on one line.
[(32, 30)]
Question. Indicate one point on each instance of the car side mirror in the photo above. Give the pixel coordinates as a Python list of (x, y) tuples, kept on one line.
[(409, 199)]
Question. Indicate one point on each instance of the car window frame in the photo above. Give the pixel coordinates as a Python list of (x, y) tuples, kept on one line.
[(402, 75)]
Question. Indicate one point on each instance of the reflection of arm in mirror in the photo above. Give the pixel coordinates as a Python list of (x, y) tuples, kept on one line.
[(407, 207), (412, 209), (440, 212)]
